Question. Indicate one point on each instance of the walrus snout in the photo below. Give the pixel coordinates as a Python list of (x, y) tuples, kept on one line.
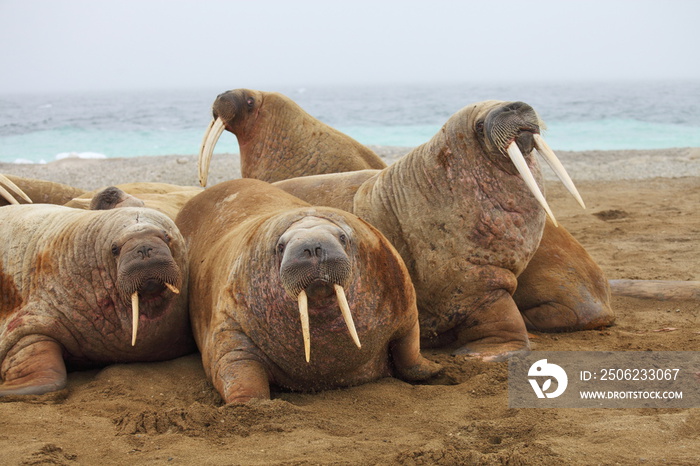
[(314, 260), (513, 121), (513, 129), (313, 249)]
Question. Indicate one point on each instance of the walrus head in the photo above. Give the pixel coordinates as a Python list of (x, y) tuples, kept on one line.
[(228, 111), (513, 130), (146, 270), (113, 198), (315, 267)]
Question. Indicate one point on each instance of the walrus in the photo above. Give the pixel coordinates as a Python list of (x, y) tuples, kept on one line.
[(568, 310), (28, 190), (10, 192), (81, 289), (300, 297), (163, 197), (466, 211), (273, 131)]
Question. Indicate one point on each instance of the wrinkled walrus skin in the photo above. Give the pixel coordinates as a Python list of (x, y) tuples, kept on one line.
[(461, 217), (557, 305), (67, 280), (242, 235), (273, 132)]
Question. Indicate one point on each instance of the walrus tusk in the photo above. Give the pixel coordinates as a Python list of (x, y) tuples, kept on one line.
[(211, 136), (7, 196), (519, 161), (304, 315), (548, 154), (345, 309), (172, 288), (14, 188), (135, 317)]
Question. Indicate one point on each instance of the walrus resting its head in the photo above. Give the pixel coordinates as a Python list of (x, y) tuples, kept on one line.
[(163, 197), (87, 288), (113, 198), (18, 190), (304, 298), (278, 139), (466, 211)]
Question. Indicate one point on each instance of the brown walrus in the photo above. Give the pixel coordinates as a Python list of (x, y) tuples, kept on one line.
[(305, 298), (273, 131), (552, 281), (467, 219), (76, 286)]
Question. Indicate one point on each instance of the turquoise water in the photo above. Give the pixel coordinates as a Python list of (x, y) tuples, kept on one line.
[(584, 116)]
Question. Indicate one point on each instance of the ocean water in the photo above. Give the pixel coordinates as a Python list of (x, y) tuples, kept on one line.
[(580, 116)]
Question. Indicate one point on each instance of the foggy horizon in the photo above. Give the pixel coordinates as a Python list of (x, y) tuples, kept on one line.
[(86, 46)]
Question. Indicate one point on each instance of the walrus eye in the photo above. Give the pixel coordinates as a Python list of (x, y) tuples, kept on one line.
[(166, 237), (280, 248), (480, 128), (250, 101), (343, 239), (115, 249)]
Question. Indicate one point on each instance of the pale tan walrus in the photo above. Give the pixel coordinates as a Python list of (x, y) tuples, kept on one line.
[(163, 197), (19, 190), (305, 298)]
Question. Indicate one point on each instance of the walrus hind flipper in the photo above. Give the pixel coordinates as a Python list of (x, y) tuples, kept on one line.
[(495, 332), (36, 368)]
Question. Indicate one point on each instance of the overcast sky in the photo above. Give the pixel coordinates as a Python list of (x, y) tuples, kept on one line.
[(53, 45)]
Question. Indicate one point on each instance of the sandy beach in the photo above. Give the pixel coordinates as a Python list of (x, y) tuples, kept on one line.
[(642, 222)]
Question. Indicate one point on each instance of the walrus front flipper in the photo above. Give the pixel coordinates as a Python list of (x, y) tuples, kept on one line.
[(240, 380), (33, 366), (409, 364), (562, 288), (236, 370)]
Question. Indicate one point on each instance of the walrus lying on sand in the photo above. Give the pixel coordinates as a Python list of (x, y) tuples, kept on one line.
[(555, 295), (305, 298), (87, 288), (19, 190), (466, 212), (302, 143), (163, 197)]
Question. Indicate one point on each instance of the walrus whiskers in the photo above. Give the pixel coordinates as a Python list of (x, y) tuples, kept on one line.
[(548, 154), (135, 317), (304, 315), (345, 309), (211, 136), (519, 161)]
